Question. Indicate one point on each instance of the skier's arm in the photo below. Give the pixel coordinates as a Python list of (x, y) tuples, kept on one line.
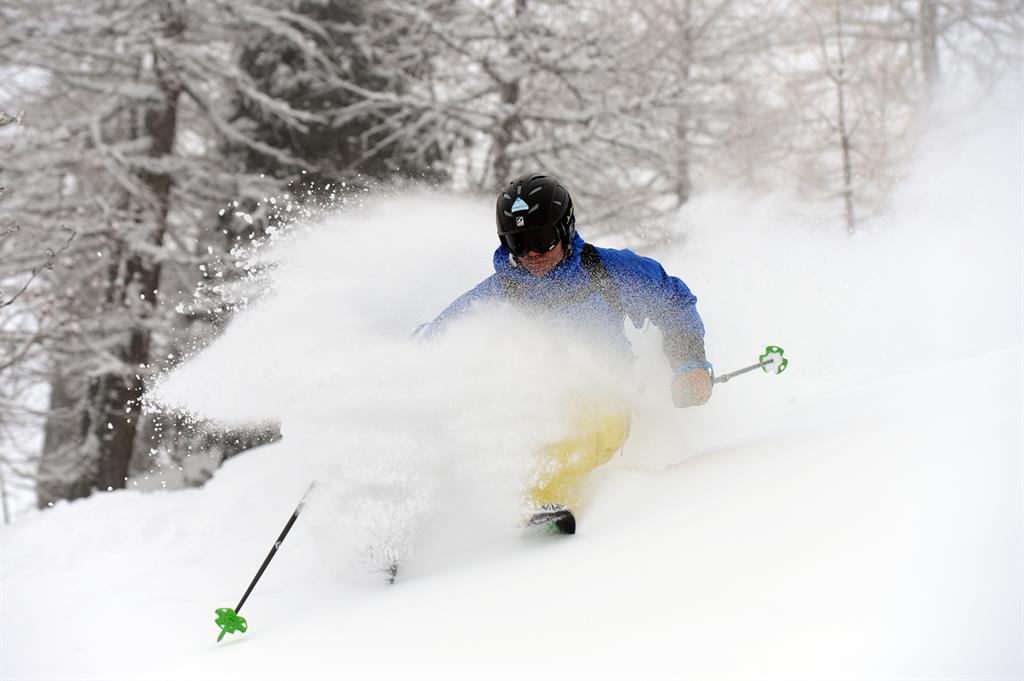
[(650, 293), (488, 289)]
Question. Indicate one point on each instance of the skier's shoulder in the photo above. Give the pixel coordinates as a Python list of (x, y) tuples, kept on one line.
[(625, 265), (643, 280)]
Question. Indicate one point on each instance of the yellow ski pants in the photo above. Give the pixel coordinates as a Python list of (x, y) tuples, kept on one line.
[(598, 434)]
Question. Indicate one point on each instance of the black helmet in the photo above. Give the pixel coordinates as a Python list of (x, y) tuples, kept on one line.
[(535, 211)]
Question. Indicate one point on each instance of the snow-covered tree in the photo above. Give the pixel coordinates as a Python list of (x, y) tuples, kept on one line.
[(569, 87), (127, 105), (983, 37), (154, 130), (856, 76), (341, 136), (704, 75)]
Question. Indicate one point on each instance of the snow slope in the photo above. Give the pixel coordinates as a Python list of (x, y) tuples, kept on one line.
[(859, 516), (841, 550)]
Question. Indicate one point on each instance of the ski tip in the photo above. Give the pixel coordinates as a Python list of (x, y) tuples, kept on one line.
[(552, 519)]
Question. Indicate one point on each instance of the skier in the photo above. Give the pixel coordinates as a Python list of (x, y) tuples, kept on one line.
[(544, 266)]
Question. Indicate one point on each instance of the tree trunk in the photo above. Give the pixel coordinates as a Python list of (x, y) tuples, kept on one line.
[(929, 37), (98, 456), (506, 128), (117, 396), (682, 182), (67, 466), (842, 128), (501, 168)]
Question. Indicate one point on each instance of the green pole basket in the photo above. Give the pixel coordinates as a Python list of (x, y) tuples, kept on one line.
[(773, 360), (229, 622)]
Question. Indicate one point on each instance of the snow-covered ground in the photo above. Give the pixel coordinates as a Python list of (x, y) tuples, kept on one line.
[(859, 516)]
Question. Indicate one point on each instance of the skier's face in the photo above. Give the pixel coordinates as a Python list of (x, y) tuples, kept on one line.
[(538, 264)]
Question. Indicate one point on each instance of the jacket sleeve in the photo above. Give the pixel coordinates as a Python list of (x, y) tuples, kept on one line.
[(650, 293), (489, 289)]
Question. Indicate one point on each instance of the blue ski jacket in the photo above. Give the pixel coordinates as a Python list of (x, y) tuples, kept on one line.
[(570, 294)]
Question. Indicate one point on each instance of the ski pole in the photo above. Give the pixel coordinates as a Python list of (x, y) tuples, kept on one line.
[(228, 619), (773, 356)]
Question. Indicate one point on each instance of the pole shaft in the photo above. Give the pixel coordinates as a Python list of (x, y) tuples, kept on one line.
[(725, 377), (273, 550)]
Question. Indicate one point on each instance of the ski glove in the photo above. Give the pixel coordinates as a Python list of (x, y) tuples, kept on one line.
[(691, 388)]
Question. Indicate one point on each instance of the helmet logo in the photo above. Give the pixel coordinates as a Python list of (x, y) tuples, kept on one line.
[(519, 205), (520, 221)]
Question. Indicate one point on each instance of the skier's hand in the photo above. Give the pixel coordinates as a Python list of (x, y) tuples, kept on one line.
[(692, 388)]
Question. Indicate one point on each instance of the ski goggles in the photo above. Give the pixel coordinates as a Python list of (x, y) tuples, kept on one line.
[(539, 239)]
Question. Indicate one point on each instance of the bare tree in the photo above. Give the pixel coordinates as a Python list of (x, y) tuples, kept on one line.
[(843, 86), (836, 70), (986, 36)]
